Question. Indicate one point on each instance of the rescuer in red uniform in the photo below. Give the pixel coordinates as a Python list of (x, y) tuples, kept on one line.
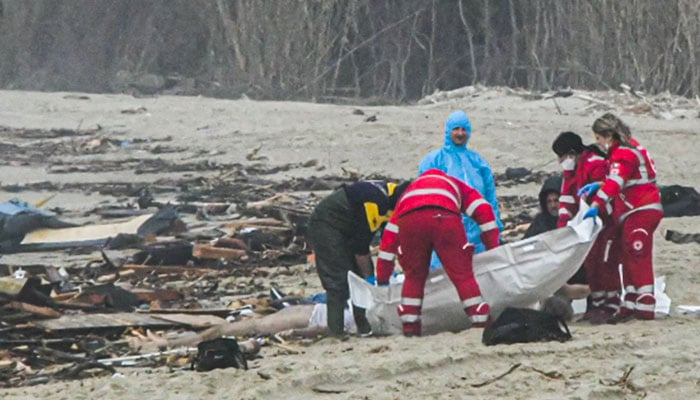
[(631, 188), (583, 165), (428, 217)]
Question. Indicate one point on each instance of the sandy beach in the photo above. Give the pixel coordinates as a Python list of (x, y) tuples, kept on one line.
[(652, 360)]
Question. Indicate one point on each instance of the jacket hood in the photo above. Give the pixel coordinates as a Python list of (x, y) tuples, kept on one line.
[(455, 120), (550, 185)]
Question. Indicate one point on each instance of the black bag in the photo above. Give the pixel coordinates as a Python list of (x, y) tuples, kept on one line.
[(523, 325), (680, 201), (219, 353)]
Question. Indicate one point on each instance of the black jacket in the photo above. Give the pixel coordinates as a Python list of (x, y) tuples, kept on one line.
[(544, 221)]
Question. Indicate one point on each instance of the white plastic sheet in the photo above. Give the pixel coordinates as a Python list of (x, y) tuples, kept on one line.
[(516, 274)]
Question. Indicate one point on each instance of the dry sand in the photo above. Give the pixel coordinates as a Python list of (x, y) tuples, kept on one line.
[(509, 131)]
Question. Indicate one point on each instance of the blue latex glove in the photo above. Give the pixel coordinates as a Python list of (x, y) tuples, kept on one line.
[(372, 280), (591, 213), (589, 189)]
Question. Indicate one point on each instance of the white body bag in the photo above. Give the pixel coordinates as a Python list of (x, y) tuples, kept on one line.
[(516, 274)]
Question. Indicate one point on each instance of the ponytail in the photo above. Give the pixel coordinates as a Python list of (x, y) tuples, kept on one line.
[(610, 125)]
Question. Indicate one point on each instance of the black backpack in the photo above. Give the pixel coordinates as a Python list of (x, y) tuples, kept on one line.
[(523, 325), (219, 353), (680, 201)]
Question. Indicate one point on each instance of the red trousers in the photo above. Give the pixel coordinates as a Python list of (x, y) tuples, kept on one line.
[(421, 232), (636, 235), (602, 269)]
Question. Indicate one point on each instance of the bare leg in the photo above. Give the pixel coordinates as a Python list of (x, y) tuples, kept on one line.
[(574, 292), (293, 317)]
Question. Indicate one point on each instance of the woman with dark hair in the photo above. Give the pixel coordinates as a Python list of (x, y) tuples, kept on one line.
[(631, 188), (582, 165)]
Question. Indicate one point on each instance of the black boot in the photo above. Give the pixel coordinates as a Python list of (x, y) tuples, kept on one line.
[(363, 327), (336, 319)]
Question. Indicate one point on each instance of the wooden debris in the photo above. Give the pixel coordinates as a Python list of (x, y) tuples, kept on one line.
[(38, 311), (87, 322), (171, 269), (74, 371), (147, 295), (219, 312), (210, 252), (496, 378), (138, 360), (254, 222), (194, 321), (231, 243), (277, 199), (331, 388)]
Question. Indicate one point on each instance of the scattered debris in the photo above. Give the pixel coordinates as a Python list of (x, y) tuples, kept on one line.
[(163, 260), (661, 106)]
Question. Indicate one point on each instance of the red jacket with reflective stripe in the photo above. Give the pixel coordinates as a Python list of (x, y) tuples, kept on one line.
[(436, 189), (631, 181), (590, 167)]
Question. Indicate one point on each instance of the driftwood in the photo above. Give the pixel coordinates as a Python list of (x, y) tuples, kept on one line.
[(140, 359), (171, 269), (254, 222), (595, 101), (73, 372), (219, 312), (496, 378), (275, 200), (210, 252), (32, 309)]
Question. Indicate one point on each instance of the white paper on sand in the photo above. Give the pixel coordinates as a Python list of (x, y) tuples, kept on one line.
[(688, 309), (516, 274), (663, 302)]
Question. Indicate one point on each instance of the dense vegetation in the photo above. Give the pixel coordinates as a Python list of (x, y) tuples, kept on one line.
[(328, 50)]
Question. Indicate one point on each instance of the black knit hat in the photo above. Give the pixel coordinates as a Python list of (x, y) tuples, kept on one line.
[(567, 142)]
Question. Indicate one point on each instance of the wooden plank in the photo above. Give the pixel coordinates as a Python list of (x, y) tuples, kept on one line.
[(159, 294), (171, 269), (124, 320), (86, 233), (32, 309), (97, 321), (207, 251), (253, 221), (195, 321), (219, 312)]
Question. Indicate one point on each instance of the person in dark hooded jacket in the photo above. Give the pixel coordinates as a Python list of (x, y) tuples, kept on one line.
[(546, 219)]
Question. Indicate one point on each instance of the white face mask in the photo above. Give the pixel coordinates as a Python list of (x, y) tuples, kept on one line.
[(568, 164)]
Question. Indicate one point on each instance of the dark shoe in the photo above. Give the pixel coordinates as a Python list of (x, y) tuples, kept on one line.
[(364, 329)]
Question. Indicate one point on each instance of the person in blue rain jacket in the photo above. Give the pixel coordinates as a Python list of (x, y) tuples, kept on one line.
[(457, 160)]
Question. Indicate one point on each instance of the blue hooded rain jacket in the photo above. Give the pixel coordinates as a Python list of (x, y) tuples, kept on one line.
[(469, 166)]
